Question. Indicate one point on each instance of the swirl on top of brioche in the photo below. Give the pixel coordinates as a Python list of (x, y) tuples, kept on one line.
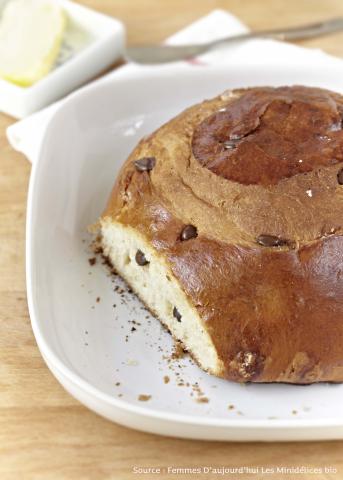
[(268, 135)]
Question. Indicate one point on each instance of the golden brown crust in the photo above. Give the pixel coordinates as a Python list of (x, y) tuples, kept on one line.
[(270, 134), (275, 313)]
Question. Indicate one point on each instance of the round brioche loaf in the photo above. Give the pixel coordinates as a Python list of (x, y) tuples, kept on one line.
[(227, 222)]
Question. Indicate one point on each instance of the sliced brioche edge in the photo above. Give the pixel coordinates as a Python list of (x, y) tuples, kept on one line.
[(155, 284)]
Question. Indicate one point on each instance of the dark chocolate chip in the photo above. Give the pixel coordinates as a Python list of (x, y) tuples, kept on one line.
[(250, 364), (230, 144), (176, 314), (340, 176), (145, 164), (140, 258), (188, 232), (271, 241)]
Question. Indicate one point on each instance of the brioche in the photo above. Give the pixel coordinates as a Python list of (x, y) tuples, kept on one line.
[(227, 223)]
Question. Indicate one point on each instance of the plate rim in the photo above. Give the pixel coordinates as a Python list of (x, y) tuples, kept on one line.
[(48, 353)]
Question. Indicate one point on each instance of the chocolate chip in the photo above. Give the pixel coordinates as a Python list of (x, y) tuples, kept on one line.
[(176, 314), (230, 144), (271, 241), (145, 164), (249, 364), (140, 258), (188, 232), (340, 176)]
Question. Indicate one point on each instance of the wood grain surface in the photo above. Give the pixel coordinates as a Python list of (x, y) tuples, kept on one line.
[(44, 433)]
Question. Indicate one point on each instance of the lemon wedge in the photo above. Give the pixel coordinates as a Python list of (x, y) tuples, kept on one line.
[(31, 33)]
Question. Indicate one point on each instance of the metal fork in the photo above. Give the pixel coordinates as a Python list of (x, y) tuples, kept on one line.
[(152, 54)]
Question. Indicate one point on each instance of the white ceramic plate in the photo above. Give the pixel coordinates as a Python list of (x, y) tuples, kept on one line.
[(88, 344)]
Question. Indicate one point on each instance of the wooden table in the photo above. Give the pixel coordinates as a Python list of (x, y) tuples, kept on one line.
[(46, 434)]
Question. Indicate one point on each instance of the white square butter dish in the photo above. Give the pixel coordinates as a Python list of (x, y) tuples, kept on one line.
[(92, 42)]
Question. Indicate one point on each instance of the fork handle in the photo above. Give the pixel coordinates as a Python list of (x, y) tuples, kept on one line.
[(294, 33), (154, 54)]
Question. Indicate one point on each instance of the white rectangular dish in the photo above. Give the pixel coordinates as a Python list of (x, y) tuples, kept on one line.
[(92, 42), (117, 359)]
